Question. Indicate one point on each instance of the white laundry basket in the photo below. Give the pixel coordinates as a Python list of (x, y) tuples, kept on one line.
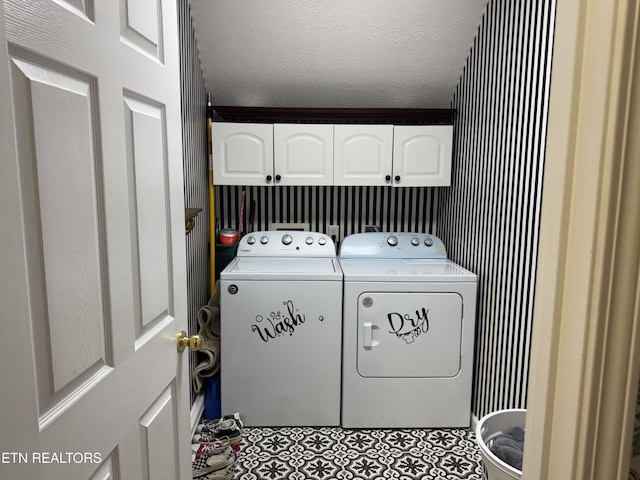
[(489, 427)]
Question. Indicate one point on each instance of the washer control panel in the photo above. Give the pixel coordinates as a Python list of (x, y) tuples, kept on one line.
[(392, 245), (286, 243)]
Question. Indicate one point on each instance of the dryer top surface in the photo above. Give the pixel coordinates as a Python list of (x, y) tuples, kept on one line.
[(405, 270)]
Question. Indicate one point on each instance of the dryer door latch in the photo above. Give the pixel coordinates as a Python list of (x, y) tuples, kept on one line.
[(368, 333)]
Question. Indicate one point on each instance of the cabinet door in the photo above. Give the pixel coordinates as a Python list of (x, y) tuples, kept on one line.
[(242, 153), (362, 154), (422, 155), (303, 154)]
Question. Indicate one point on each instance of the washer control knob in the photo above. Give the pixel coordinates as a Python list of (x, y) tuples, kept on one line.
[(264, 239), (309, 240), (251, 240), (322, 241), (415, 241), (392, 241), (287, 239), (428, 241)]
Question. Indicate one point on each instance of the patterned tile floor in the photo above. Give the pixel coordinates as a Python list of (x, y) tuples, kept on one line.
[(305, 453)]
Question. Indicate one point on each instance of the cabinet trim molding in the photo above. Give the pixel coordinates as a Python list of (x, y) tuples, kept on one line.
[(397, 116)]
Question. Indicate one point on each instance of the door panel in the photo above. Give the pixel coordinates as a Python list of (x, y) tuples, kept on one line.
[(107, 470), (156, 426), (144, 129), (64, 251), (409, 334), (93, 277), (139, 20)]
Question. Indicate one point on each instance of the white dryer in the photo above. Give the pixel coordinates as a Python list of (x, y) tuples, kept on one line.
[(408, 337), (281, 328)]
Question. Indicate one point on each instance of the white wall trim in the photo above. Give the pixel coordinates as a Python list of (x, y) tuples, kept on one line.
[(474, 422), (197, 409), (585, 361)]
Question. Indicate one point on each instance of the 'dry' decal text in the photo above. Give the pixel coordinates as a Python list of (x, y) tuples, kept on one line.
[(409, 328)]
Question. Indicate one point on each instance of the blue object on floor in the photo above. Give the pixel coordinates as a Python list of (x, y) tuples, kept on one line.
[(212, 397)]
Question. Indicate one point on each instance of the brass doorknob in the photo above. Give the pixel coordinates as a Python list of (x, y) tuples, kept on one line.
[(194, 342)]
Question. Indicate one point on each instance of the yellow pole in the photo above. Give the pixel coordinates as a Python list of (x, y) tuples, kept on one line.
[(212, 212)]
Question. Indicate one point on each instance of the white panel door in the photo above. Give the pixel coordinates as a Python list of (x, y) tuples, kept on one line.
[(303, 154), (92, 255), (422, 155), (362, 154), (242, 153)]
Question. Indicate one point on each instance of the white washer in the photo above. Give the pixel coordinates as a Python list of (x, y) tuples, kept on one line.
[(409, 319), (281, 329)]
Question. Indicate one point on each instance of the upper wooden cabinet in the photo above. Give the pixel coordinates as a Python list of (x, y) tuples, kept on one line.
[(400, 155), (303, 154), (266, 154), (326, 154), (242, 153), (363, 155), (422, 155)]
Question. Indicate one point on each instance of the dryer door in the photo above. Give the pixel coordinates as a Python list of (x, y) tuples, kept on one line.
[(409, 334)]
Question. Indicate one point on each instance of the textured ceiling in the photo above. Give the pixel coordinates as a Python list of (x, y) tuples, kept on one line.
[(334, 53)]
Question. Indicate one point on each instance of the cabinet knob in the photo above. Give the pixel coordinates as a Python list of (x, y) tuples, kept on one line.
[(388, 178), (397, 178), (278, 178), (268, 178)]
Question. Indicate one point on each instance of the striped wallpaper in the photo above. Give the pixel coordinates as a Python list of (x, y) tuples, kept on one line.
[(352, 208), (489, 218), (194, 150)]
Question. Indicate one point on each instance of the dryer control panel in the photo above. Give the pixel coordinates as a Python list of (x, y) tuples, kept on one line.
[(286, 243), (392, 245)]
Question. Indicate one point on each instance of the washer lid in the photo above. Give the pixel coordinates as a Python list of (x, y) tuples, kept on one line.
[(404, 270), (282, 268)]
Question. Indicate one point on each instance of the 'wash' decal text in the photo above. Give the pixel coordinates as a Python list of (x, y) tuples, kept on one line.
[(279, 323)]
